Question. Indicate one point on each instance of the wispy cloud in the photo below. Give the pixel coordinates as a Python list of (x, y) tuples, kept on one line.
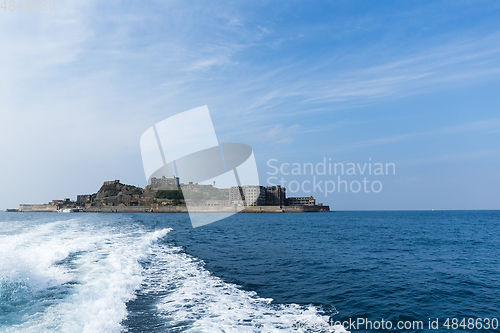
[(302, 87), (483, 126), (281, 135), (455, 157), (90, 77)]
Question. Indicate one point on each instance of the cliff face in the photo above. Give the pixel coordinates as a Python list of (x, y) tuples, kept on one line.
[(115, 193), (116, 188)]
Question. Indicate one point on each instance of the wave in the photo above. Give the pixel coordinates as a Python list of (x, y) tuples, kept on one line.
[(75, 278), (197, 301), (80, 276)]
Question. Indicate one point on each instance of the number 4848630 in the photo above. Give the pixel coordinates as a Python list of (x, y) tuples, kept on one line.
[(471, 323), (28, 5)]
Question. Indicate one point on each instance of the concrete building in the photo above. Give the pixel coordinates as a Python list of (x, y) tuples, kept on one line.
[(275, 196), (255, 195), (164, 181), (111, 182), (301, 201), (82, 199)]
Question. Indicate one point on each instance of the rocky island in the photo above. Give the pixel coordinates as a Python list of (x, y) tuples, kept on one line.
[(167, 195)]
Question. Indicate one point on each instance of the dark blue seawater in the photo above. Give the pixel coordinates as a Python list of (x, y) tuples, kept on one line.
[(155, 273)]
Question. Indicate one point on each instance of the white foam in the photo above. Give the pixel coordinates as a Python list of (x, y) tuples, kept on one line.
[(100, 302), (107, 273), (31, 255), (204, 303)]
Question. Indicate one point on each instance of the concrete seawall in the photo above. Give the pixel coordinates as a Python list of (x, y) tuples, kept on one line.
[(183, 209), (285, 209), (37, 208), (180, 209), (135, 209)]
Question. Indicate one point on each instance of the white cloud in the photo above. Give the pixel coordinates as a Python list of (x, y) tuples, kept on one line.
[(79, 85), (235, 21), (281, 135)]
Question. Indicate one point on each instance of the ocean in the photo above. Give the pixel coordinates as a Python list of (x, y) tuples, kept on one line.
[(290, 272)]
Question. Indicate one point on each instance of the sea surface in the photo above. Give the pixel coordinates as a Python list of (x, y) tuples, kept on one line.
[(301, 272)]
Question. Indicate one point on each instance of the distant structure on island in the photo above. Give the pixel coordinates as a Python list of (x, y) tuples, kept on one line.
[(163, 181), (255, 195), (168, 195)]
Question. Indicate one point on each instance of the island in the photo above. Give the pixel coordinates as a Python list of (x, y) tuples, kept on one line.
[(168, 195)]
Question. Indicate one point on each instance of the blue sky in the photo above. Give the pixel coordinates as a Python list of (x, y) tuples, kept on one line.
[(411, 83)]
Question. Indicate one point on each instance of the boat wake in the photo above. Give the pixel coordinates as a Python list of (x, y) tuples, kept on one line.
[(76, 276)]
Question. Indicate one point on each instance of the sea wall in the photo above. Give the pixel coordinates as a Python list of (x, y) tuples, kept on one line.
[(135, 209), (37, 208), (285, 209), (180, 209), (157, 209)]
